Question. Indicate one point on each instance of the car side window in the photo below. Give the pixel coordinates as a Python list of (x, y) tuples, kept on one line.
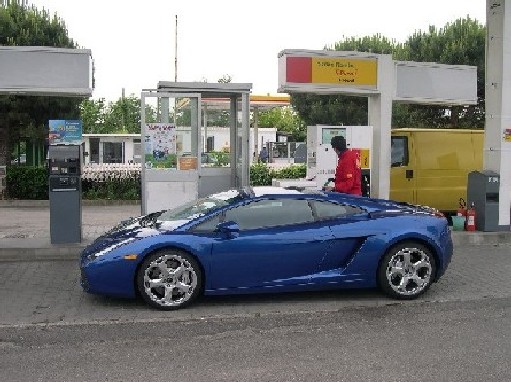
[(270, 213), (399, 151), (208, 225), (328, 210)]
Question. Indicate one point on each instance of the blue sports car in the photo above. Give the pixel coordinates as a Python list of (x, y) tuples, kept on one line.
[(269, 240)]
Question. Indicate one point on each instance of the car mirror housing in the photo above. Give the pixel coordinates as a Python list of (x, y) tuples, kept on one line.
[(230, 228)]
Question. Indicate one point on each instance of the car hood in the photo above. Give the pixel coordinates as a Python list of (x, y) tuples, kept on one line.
[(148, 221), (137, 227)]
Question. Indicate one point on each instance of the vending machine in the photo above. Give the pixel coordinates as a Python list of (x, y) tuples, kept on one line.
[(321, 157), (65, 192)]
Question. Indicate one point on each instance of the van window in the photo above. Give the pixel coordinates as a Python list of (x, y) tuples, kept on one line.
[(399, 151)]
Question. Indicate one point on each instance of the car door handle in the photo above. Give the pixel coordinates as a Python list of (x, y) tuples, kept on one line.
[(409, 174)]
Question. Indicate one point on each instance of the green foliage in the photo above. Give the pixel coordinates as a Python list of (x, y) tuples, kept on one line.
[(121, 116), (92, 114), (284, 119), (374, 44), (124, 115), (291, 172), (330, 109), (219, 158), (113, 187), (26, 26), (24, 182), (31, 183), (262, 175)]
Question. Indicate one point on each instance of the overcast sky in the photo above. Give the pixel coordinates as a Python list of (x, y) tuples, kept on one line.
[(133, 42)]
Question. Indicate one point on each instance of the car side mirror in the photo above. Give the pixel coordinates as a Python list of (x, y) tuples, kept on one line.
[(230, 228)]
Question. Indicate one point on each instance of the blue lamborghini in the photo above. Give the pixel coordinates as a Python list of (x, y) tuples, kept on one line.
[(269, 240)]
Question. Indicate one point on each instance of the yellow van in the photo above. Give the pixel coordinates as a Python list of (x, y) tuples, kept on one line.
[(430, 166)]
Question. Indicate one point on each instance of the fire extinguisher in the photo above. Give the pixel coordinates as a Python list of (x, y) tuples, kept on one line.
[(471, 218), (462, 211)]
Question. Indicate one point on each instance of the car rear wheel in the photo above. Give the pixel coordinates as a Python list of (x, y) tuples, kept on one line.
[(407, 271), (169, 279)]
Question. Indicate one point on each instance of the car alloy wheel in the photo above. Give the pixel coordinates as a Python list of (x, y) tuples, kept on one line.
[(407, 271), (169, 279)]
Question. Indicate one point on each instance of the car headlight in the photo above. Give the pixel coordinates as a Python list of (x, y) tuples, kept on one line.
[(109, 249)]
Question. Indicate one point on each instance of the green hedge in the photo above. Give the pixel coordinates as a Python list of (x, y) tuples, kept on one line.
[(113, 187), (262, 175), (25, 182)]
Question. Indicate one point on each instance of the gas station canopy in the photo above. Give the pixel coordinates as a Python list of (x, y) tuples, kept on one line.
[(41, 70)]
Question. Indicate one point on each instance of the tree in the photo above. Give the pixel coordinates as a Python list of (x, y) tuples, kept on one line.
[(26, 118), (284, 119), (121, 116), (124, 115), (92, 114)]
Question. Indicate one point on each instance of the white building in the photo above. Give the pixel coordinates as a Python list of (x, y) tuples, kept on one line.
[(127, 148)]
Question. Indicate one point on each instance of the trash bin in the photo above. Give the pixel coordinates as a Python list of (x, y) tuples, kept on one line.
[(483, 190), (458, 223)]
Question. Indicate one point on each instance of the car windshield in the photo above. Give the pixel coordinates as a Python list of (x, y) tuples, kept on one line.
[(201, 206)]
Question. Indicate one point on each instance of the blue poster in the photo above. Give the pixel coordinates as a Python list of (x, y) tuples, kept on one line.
[(65, 132)]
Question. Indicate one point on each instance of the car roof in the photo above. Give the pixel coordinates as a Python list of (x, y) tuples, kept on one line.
[(370, 204), (274, 190)]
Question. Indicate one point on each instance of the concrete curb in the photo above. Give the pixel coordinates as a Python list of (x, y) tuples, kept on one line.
[(85, 202), (480, 238)]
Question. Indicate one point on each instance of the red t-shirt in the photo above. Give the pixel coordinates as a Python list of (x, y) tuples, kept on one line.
[(348, 174)]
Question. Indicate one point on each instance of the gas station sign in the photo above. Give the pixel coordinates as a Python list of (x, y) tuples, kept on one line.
[(341, 71)]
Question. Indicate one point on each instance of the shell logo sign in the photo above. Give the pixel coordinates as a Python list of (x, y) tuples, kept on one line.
[(356, 72)]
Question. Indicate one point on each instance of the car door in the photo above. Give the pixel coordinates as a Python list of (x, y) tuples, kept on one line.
[(279, 244), (349, 228), (402, 172)]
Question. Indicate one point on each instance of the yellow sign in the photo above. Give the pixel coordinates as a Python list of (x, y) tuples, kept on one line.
[(345, 71), (364, 158), (507, 135)]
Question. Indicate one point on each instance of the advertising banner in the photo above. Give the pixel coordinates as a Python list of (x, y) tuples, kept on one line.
[(160, 145), (65, 132)]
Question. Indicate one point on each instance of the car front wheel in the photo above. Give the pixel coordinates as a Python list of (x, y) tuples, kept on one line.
[(407, 271), (169, 279)]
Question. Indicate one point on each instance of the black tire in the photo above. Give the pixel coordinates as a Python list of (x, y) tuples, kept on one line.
[(177, 279), (406, 280)]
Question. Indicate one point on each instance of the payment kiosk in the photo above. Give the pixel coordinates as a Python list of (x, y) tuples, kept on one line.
[(65, 192)]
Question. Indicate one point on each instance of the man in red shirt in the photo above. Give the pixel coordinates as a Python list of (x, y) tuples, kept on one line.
[(347, 174)]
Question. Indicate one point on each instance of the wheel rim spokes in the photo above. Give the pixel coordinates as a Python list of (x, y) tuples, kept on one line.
[(409, 271), (170, 280)]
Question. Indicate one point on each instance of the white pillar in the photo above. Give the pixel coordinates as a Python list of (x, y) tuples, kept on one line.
[(497, 151), (256, 133), (380, 118), (245, 134)]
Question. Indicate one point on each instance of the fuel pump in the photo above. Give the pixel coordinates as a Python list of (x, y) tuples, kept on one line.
[(321, 157)]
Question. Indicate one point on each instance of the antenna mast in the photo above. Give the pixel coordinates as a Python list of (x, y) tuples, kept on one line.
[(175, 55)]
